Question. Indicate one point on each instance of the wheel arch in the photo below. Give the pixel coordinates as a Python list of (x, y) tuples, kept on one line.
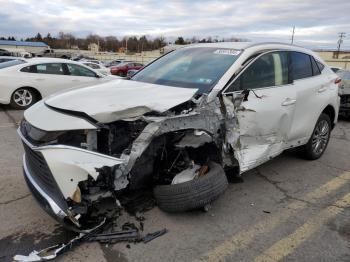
[(330, 111), (36, 91)]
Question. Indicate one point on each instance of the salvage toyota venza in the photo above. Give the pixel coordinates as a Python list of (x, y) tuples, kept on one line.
[(176, 126)]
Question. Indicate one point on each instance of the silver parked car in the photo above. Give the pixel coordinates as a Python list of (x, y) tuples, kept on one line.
[(344, 91)]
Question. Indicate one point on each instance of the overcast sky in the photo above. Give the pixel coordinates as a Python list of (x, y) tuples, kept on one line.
[(317, 22)]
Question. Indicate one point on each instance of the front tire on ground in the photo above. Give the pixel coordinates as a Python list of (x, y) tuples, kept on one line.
[(23, 98), (318, 142), (193, 194)]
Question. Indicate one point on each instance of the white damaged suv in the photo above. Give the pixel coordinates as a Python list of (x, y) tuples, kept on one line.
[(176, 125)]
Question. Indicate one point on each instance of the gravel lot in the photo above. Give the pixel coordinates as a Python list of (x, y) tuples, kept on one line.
[(288, 209)]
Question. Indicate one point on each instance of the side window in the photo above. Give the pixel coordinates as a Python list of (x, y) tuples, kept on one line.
[(93, 66), (315, 70), (301, 64), (77, 70), (27, 69), (51, 69), (268, 70)]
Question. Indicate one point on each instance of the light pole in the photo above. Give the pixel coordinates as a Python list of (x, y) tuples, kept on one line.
[(340, 41)]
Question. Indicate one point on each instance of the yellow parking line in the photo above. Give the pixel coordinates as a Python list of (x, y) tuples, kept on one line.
[(7, 125), (245, 237), (287, 245)]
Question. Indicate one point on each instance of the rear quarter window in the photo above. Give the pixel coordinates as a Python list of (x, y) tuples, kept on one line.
[(320, 65), (315, 70), (301, 64)]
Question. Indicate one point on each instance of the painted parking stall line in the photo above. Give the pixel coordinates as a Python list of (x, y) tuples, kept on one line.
[(287, 245), (243, 238)]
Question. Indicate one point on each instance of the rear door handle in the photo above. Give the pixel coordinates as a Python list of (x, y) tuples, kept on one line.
[(288, 102), (322, 89), (39, 79), (75, 80)]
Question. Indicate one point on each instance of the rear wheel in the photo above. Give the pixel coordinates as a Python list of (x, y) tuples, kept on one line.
[(23, 98), (318, 142)]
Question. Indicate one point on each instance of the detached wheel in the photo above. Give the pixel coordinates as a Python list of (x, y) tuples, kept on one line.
[(193, 194), (318, 142), (23, 98)]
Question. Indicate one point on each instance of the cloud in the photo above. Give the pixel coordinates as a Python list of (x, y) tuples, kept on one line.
[(317, 21)]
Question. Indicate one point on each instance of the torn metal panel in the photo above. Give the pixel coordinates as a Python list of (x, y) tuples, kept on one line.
[(258, 128), (195, 138), (207, 117)]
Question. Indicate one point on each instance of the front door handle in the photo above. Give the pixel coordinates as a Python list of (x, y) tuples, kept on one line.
[(289, 102)]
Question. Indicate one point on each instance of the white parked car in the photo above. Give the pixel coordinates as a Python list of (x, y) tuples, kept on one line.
[(25, 82), (10, 58), (176, 125), (98, 67)]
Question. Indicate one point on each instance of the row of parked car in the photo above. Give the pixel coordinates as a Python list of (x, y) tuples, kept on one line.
[(26, 81)]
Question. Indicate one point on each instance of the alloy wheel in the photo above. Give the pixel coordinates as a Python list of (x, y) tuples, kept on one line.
[(23, 97), (320, 137)]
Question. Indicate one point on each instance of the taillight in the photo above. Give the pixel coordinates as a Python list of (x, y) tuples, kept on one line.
[(337, 81)]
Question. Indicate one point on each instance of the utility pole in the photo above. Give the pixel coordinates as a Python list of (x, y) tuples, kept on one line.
[(340, 41), (293, 34)]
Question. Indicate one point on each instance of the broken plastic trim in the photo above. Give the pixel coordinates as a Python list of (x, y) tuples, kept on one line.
[(59, 249)]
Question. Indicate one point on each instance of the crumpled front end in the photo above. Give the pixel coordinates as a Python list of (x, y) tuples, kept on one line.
[(70, 171), (55, 173)]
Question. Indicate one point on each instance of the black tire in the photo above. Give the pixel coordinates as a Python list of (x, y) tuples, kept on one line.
[(121, 74), (17, 104), (308, 151), (193, 194)]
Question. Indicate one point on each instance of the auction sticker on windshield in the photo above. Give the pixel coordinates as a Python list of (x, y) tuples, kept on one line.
[(227, 52)]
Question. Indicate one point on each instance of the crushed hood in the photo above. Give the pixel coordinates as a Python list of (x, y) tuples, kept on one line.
[(120, 99)]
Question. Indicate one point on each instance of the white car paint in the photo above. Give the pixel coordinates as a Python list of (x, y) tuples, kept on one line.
[(121, 99), (13, 78), (55, 121), (271, 120)]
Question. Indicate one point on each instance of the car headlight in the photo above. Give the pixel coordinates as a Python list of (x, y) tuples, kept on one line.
[(36, 135)]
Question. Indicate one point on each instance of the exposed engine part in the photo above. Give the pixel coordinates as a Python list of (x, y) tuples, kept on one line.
[(186, 175)]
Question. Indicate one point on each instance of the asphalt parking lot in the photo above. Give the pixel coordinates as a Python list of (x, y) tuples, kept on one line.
[(288, 209)]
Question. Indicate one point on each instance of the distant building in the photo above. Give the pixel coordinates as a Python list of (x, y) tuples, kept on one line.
[(18, 47), (94, 47)]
